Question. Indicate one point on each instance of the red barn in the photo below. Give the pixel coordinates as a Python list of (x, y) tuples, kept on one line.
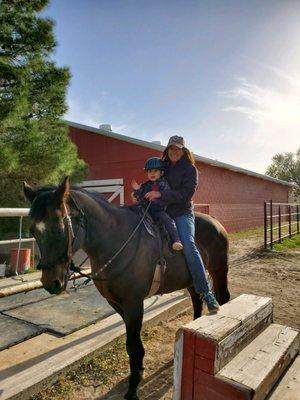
[(233, 195)]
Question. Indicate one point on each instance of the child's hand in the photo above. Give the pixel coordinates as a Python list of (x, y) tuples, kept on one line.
[(135, 185), (133, 198)]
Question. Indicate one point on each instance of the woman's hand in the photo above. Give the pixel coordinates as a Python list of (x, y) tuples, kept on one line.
[(135, 185), (152, 195)]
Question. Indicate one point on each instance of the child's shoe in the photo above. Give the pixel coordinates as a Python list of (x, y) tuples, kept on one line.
[(211, 302), (177, 246)]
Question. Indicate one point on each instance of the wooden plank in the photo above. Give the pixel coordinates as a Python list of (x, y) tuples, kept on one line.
[(214, 327), (219, 337), (105, 189), (102, 182), (289, 386), (17, 357), (19, 280), (261, 363), (207, 387), (177, 372), (187, 378), (229, 347), (244, 306), (26, 285), (231, 315)]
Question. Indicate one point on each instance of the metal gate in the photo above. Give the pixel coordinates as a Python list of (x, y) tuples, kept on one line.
[(281, 220)]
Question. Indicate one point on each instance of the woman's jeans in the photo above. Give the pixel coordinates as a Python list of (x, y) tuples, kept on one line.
[(186, 228)]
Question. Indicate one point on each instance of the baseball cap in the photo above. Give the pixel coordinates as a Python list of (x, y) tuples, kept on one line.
[(177, 141)]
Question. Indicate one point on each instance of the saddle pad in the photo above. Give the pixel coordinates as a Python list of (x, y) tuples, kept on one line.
[(156, 282)]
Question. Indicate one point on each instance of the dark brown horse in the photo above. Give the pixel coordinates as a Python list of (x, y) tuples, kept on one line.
[(66, 219)]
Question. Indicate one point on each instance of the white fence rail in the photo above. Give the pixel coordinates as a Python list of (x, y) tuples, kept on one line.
[(113, 186), (17, 212), (14, 212)]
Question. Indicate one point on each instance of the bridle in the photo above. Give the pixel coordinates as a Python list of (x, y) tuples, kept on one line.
[(71, 267), (71, 238)]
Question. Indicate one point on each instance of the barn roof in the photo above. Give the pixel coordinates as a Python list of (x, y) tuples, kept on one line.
[(159, 147)]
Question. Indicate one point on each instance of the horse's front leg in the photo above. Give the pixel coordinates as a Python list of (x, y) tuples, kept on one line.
[(133, 318)]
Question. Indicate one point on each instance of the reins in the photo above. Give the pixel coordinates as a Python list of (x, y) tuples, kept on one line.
[(71, 239)]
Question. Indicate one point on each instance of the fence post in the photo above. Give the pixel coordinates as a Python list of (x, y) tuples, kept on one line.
[(279, 224), (265, 225), (271, 223), (297, 219), (290, 222)]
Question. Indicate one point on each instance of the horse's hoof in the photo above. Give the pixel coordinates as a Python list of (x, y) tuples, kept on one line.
[(130, 396)]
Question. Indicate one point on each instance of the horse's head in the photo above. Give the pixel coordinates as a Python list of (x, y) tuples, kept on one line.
[(49, 212)]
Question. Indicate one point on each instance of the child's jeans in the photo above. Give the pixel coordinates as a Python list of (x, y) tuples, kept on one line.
[(167, 221)]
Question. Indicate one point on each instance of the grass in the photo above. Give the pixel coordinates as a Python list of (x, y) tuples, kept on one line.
[(255, 232), (30, 270), (288, 244)]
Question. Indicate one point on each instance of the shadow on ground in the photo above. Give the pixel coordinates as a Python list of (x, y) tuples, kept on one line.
[(154, 387)]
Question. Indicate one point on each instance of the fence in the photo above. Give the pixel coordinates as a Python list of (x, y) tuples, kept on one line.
[(17, 212), (113, 188), (281, 220), (203, 208)]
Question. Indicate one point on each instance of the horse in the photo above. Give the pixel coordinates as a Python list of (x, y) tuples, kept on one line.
[(65, 219)]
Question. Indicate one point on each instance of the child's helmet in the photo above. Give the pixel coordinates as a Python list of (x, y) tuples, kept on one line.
[(153, 163)]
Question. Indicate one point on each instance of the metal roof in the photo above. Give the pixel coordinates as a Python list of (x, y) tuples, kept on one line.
[(159, 147)]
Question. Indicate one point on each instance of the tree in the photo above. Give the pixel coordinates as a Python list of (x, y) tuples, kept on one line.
[(34, 141), (286, 166)]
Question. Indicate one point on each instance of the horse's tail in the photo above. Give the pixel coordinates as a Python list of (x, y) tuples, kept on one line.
[(216, 245), (220, 268)]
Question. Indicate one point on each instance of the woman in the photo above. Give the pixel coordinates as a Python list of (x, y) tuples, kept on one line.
[(181, 174)]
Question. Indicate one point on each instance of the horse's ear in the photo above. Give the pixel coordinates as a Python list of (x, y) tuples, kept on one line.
[(62, 192), (29, 192)]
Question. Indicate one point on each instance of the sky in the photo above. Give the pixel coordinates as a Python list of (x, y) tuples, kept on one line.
[(223, 74)]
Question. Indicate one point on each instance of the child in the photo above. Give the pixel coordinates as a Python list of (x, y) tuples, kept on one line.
[(157, 209)]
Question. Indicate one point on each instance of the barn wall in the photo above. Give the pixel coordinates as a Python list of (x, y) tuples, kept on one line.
[(234, 198), (110, 158)]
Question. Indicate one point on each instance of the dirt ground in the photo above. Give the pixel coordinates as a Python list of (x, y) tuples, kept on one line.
[(252, 270)]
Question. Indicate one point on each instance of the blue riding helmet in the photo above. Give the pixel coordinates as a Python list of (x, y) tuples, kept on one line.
[(153, 163)]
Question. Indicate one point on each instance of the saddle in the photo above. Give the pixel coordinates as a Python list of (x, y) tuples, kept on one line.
[(158, 231)]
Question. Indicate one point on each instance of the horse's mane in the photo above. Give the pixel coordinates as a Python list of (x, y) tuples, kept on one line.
[(98, 197), (44, 199)]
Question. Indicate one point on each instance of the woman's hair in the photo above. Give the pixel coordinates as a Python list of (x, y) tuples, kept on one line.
[(186, 153)]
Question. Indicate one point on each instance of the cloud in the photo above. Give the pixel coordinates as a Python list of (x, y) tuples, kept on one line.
[(91, 113), (85, 113), (274, 110)]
